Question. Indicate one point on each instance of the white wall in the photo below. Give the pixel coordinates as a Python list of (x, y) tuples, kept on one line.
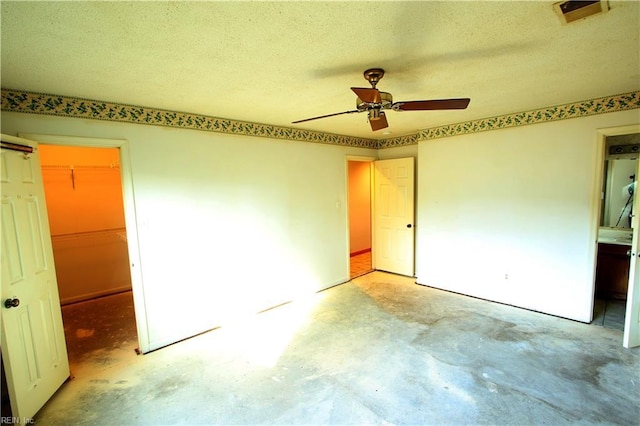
[(230, 224), (398, 152), (226, 224), (91, 265), (509, 215)]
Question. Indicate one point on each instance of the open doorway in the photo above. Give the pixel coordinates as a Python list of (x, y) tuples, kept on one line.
[(83, 189), (614, 278), (359, 186), (615, 233)]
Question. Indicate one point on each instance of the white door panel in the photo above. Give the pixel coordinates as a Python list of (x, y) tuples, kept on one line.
[(393, 236), (35, 228), (631, 337), (12, 255), (33, 346)]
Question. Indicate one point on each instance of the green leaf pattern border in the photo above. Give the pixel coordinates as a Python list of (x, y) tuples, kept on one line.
[(621, 102), (65, 106)]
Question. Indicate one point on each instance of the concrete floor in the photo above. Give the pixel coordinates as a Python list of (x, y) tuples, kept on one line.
[(377, 350)]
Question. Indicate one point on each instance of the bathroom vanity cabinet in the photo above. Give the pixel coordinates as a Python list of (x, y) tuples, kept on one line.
[(612, 271)]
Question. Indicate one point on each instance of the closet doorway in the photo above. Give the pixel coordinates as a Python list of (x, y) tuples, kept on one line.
[(359, 186), (83, 189)]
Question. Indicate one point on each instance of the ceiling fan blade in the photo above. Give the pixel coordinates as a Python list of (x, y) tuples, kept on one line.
[(367, 94), (380, 123), (432, 104), (325, 116)]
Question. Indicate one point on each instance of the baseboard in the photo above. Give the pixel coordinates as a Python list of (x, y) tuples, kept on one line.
[(94, 295), (355, 253)]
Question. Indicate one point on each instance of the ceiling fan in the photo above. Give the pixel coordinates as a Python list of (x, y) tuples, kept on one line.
[(375, 102)]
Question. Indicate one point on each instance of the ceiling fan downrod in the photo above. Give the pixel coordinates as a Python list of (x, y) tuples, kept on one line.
[(373, 76)]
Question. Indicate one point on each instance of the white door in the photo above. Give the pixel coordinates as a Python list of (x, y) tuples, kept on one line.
[(631, 336), (34, 351), (393, 216)]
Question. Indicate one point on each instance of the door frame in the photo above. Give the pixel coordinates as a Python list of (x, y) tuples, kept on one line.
[(364, 159), (602, 135), (129, 217)]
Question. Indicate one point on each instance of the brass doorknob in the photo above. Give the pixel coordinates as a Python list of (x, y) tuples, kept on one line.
[(11, 303)]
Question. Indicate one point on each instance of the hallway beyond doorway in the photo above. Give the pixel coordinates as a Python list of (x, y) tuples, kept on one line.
[(360, 264)]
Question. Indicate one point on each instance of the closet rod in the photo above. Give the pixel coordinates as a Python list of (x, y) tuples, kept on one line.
[(68, 166), (16, 147)]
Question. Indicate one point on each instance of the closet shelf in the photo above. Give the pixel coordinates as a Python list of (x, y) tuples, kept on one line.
[(114, 166)]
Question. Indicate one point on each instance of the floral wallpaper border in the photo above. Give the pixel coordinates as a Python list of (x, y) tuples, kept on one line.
[(65, 106), (625, 101)]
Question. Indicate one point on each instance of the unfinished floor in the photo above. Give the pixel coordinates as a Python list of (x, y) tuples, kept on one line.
[(377, 350)]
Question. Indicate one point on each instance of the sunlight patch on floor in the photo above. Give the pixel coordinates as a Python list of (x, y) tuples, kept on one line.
[(261, 339)]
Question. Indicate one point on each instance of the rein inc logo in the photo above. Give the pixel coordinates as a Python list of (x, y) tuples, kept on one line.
[(16, 420)]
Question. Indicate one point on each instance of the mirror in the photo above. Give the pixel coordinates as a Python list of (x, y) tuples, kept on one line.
[(619, 192), (620, 180)]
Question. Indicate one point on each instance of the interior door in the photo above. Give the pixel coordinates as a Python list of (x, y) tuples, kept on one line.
[(393, 227), (34, 351), (631, 337)]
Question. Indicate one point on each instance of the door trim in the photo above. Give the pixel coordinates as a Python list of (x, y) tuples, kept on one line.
[(596, 209), (128, 199)]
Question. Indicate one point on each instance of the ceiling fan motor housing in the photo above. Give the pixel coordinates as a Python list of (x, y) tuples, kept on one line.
[(386, 101)]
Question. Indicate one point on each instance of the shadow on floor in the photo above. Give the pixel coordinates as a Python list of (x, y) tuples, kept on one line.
[(609, 313)]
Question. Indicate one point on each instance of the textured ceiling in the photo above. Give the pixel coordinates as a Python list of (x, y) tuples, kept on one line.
[(276, 62)]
